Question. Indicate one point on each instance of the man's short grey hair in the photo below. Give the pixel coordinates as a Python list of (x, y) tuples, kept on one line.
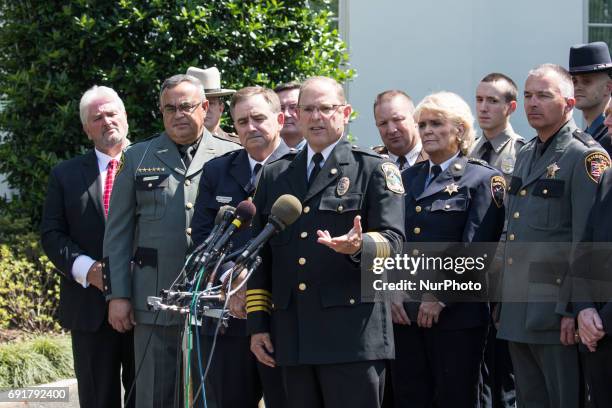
[(566, 86), (179, 78), (97, 92)]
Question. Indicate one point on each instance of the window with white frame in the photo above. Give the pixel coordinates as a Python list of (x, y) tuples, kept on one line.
[(600, 21)]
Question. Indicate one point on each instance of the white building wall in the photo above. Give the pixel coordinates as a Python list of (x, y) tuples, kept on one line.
[(427, 46)]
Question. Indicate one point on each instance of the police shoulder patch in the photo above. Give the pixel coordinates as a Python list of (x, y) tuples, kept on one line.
[(498, 190), (596, 163), (393, 178)]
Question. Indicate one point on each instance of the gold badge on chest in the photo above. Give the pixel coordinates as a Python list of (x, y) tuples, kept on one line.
[(551, 170)]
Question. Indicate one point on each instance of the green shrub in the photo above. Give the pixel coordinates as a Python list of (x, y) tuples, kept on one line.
[(29, 287), (53, 51), (36, 361)]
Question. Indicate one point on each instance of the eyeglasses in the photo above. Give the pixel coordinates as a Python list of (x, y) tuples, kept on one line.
[(324, 110), (185, 107)]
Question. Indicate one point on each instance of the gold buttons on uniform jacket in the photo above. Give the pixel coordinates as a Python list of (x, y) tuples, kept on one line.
[(352, 301), (150, 185), (302, 286), (416, 230), (511, 237), (189, 206), (447, 206), (516, 215), (523, 193), (509, 261), (415, 252), (306, 210), (418, 208), (302, 261), (558, 281), (340, 208), (334, 171), (303, 234), (188, 231), (545, 191), (188, 182)]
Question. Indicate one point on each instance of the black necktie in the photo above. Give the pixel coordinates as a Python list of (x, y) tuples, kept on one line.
[(401, 162), (316, 159), (187, 152), (487, 150), (435, 172), (253, 181)]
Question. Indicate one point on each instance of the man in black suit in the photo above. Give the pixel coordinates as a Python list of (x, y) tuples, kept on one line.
[(593, 306), (72, 232), (230, 179)]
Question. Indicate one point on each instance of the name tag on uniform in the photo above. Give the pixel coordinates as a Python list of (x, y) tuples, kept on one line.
[(149, 178), (223, 200)]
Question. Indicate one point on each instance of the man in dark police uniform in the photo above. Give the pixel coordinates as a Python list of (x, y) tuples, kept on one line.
[(304, 310)]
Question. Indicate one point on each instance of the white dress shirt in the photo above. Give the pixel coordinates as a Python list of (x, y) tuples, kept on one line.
[(83, 263)]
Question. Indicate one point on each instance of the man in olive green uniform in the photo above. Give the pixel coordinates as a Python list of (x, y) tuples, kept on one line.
[(152, 206), (552, 189)]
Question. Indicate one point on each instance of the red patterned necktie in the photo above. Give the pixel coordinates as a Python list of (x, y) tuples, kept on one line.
[(108, 185)]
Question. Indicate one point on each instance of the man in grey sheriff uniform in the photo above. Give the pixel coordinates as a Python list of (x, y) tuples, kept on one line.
[(495, 101), (551, 192), (393, 110), (152, 205), (496, 97), (590, 66)]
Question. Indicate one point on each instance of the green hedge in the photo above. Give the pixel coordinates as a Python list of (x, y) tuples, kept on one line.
[(52, 51), (39, 360), (29, 287)]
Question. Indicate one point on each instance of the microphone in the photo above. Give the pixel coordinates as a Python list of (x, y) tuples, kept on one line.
[(285, 211), (222, 220), (245, 211)]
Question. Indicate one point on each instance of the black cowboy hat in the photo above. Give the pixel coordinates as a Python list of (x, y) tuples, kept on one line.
[(592, 57)]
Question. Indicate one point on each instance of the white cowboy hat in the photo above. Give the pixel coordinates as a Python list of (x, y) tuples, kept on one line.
[(211, 79)]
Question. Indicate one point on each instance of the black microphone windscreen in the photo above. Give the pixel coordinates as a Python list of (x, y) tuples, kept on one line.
[(287, 209), (245, 211), (221, 213)]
